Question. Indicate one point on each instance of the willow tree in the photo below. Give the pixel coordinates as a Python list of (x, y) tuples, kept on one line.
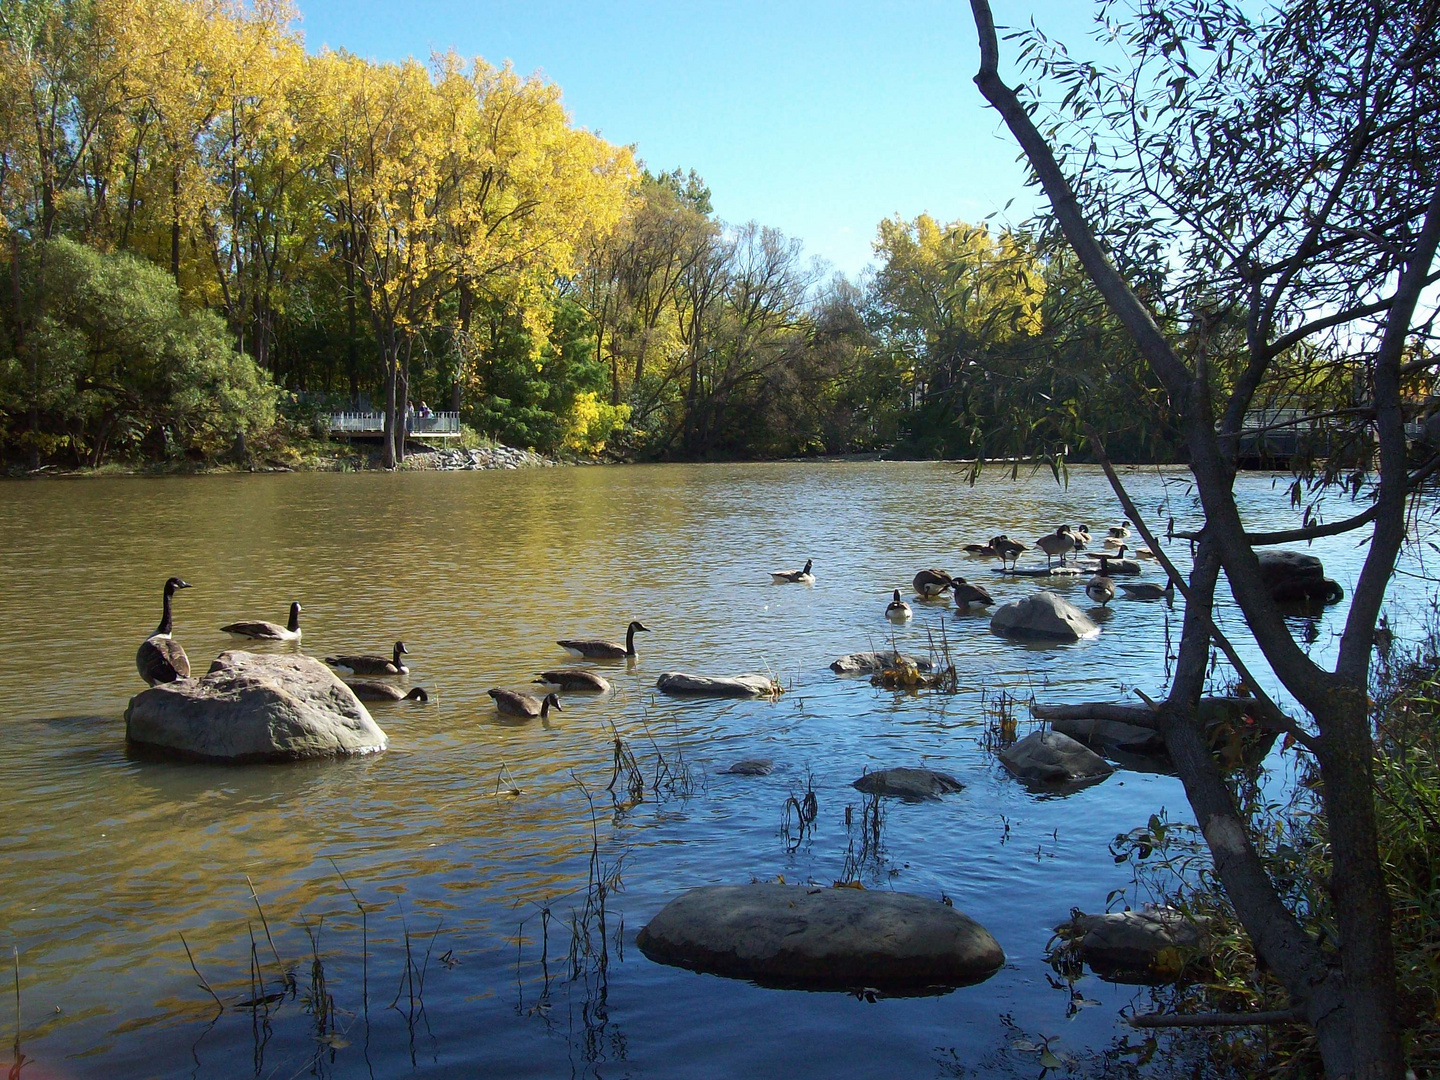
[(1276, 169)]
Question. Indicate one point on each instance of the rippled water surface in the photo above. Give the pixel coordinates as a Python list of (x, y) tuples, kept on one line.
[(106, 858)]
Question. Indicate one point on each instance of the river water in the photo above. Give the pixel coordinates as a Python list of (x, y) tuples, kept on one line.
[(467, 832)]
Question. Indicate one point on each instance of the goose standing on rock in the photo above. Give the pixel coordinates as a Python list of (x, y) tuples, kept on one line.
[(371, 664), (967, 594), (268, 631), (799, 577), (605, 650), (931, 583), (1100, 588), (527, 706), (987, 550), (898, 610), (1061, 542), (575, 679), (1008, 550), (160, 657), (366, 690)]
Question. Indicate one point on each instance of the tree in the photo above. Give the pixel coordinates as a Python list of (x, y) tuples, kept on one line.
[(1278, 170)]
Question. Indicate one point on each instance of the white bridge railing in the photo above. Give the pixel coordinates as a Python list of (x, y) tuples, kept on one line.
[(443, 425)]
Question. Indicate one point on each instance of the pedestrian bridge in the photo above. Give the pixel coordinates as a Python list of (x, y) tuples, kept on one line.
[(440, 425)]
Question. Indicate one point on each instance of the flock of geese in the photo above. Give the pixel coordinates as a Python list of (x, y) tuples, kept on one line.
[(1063, 542), (161, 659)]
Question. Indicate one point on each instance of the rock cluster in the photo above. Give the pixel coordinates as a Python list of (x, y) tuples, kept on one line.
[(1144, 947), (495, 457)]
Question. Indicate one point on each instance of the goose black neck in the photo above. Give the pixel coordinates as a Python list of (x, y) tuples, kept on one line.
[(294, 618), (630, 641), (164, 627)]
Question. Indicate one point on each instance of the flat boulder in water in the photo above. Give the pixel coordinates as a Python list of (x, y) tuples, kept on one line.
[(254, 707), (859, 662), (1297, 577), (1043, 615), (1113, 735), (735, 686), (1048, 757), (821, 939), (912, 785)]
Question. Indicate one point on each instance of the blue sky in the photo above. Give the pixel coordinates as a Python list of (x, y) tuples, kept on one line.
[(817, 118)]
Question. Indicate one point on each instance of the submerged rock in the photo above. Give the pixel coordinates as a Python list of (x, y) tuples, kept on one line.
[(1113, 735), (751, 767), (254, 707), (821, 939), (912, 785), (858, 662), (1043, 615), (1144, 947), (736, 686), (1048, 757)]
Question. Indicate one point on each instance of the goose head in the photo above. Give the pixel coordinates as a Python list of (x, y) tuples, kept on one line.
[(176, 583), (294, 616), (636, 627)]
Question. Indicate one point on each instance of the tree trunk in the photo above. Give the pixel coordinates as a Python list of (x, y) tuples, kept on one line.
[(387, 454), (175, 225)]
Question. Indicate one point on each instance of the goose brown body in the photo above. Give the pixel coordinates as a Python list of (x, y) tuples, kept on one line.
[(781, 577), (966, 594), (932, 582), (528, 706), (268, 631), (575, 679), (367, 690)]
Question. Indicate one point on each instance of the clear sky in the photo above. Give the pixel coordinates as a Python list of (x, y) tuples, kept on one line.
[(817, 118)]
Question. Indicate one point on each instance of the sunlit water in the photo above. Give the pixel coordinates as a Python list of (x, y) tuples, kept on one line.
[(105, 858)]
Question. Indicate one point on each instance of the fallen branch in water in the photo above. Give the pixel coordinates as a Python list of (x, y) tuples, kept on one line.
[(1144, 716), (1195, 1020)]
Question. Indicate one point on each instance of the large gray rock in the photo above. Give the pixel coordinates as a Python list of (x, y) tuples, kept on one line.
[(858, 662), (815, 938), (255, 707), (1295, 577), (1135, 946), (1043, 615), (737, 686), (1048, 757), (751, 767), (912, 785), (1112, 735)]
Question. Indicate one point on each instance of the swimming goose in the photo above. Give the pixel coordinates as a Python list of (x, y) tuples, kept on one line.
[(897, 610), (574, 679), (366, 690), (967, 594), (268, 631), (160, 657), (604, 650), (371, 664), (930, 583), (1061, 542), (1100, 588), (1117, 563), (803, 577), (1148, 590), (525, 705), (981, 549)]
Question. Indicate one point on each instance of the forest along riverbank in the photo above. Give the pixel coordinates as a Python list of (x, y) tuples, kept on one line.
[(480, 843)]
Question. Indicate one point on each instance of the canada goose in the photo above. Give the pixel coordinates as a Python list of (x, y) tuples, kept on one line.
[(897, 610), (160, 657), (268, 631), (1100, 588), (1119, 532), (802, 577), (967, 594), (1061, 542), (1144, 553), (367, 690), (1008, 550), (371, 664), (574, 679), (1148, 590), (981, 549), (930, 583), (604, 650), (1112, 565), (526, 705), (1082, 534)]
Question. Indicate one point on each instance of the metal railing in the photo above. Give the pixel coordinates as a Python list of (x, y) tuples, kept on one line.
[(441, 425)]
